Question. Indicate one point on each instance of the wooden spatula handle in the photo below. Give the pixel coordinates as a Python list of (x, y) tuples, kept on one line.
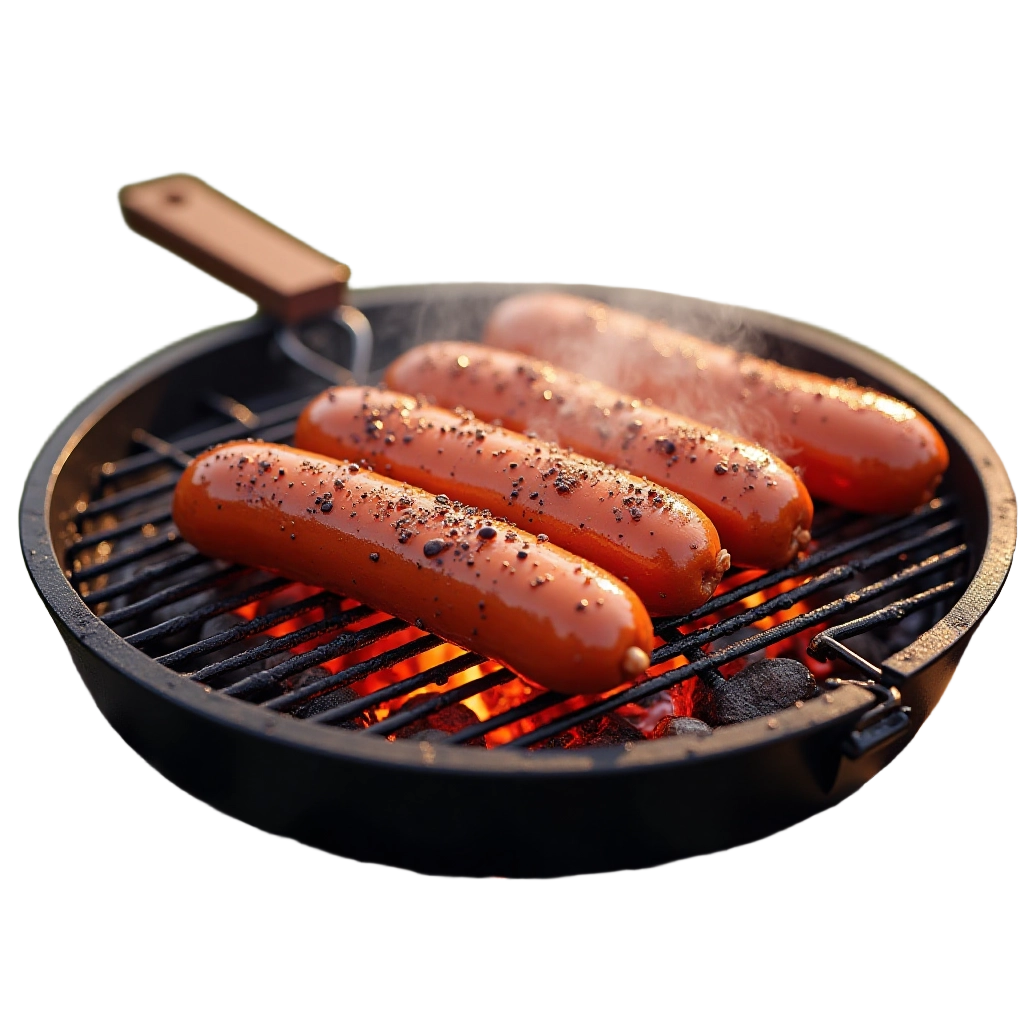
[(288, 278)]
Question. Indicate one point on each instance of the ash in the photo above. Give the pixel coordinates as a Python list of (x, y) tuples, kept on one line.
[(682, 726)]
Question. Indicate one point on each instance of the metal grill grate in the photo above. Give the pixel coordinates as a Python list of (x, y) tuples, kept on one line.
[(133, 569)]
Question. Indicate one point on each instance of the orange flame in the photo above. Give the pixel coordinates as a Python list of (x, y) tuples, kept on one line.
[(675, 701)]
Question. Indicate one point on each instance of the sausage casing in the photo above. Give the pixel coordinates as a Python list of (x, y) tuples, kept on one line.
[(662, 546), (856, 447), (759, 507), (552, 617)]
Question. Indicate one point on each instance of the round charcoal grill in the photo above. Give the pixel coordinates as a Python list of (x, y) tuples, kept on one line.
[(239, 710)]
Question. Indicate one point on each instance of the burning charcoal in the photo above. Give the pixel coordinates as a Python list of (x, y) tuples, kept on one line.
[(183, 607), (273, 660), (335, 699), (605, 731), (679, 726), (181, 637), (304, 678), (220, 624), (760, 689), (294, 682), (444, 722), (733, 667), (648, 712)]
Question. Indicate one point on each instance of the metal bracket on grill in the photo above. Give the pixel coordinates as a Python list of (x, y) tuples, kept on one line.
[(889, 717), (360, 333), (879, 724)]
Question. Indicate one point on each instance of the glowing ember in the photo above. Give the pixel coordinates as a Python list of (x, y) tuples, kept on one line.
[(632, 721)]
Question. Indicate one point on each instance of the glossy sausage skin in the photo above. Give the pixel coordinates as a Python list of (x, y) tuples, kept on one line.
[(760, 508), (654, 540), (552, 617), (857, 448)]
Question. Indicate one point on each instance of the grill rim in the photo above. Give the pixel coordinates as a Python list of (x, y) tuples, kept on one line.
[(76, 619)]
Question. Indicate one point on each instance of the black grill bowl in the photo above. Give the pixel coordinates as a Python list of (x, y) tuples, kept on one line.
[(463, 810)]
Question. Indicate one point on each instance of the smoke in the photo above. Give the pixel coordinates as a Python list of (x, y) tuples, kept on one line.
[(710, 321), (625, 355), (686, 359), (699, 392)]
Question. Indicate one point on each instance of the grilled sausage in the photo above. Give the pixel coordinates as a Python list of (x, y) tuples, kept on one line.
[(657, 542), (758, 505), (551, 617), (856, 447)]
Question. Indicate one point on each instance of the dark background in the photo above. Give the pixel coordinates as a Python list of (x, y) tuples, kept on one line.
[(856, 168)]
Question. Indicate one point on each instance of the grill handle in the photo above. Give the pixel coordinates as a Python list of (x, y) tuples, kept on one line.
[(289, 279)]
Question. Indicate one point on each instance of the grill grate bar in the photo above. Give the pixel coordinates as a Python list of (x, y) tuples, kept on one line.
[(536, 705), (539, 704), (377, 663), (437, 674), (112, 503), (185, 560), (837, 651), (232, 409), (743, 647), (344, 644), (781, 602), (121, 530), (278, 644), (115, 471), (803, 565), (831, 519), (737, 650), (245, 629), (173, 593), (208, 611), (168, 540), (867, 593), (395, 722), (164, 449), (827, 643), (128, 496), (904, 547), (272, 419)]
